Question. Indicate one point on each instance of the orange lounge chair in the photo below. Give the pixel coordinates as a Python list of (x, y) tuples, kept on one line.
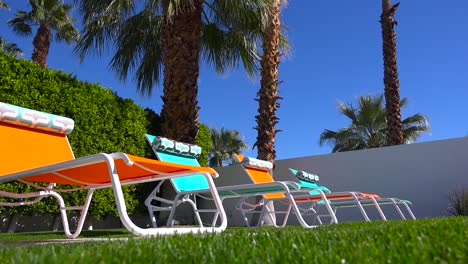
[(289, 197), (34, 148)]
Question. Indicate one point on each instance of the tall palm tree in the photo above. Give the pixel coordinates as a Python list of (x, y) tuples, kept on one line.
[(268, 98), (166, 39), (368, 126), (392, 84), (268, 94), (49, 15), (225, 143), (10, 48)]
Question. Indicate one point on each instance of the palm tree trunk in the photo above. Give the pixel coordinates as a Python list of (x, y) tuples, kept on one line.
[(41, 44), (268, 96), (181, 36), (392, 84)]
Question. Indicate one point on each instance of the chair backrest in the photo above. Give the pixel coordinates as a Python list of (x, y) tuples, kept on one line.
[(30, 139), (258, 171), (181, 153)]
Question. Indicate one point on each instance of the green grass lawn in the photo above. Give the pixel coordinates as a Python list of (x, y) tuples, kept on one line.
[(438, 240)]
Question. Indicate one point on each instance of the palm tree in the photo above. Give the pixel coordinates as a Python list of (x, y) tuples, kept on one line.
[(395, 135), (225, 143), (48, 15), (268, 98), (166, 39), (268, 94), (368, 126), (10, 48)]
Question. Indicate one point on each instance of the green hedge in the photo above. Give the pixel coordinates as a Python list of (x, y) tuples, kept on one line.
[(104, 122), (203, 140)]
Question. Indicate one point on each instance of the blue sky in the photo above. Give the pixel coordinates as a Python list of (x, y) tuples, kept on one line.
[(336, 56)]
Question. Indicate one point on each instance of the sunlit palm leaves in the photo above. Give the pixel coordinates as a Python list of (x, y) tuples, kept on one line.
[(225, 143), (10, 48), (230, 33), (368, 126)]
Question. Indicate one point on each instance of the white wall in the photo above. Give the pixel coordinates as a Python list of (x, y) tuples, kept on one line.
[(423, 173)]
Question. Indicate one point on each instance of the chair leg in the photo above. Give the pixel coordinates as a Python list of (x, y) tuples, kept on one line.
[(397, 208), (358, 203), (178, 201), (216, 215), (84, 211), (285, 221), (298, 212), (63, 209), (409, 211), (152, 217), (377, 206), (148, 204)]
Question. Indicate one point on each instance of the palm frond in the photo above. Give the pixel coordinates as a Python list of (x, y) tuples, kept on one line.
[(101, 20), (368, 126), (4, 5), (10, 48), (139, 50), (238, 25), (21, 23)]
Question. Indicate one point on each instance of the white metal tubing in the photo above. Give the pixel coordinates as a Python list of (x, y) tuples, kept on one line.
[(128, 223), (379, 209), (395, 205), (19, 196), (409, 210), (63, 213), (148, 204), (88, 160), (62, 207), (363, 212), (297, 211), (295, 187), (178, 202)]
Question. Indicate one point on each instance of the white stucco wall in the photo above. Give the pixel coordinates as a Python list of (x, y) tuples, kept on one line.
[(424, 172)]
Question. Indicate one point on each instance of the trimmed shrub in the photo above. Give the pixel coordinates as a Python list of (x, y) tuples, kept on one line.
[(203, 139), (104, 122)]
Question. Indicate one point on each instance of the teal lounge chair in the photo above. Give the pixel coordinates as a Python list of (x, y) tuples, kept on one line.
[(177, 152)]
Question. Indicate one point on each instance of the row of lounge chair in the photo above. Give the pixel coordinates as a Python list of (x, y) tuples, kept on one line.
[(35, 149)]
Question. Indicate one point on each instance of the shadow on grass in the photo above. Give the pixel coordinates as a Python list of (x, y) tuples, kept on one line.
[(60, 235)]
